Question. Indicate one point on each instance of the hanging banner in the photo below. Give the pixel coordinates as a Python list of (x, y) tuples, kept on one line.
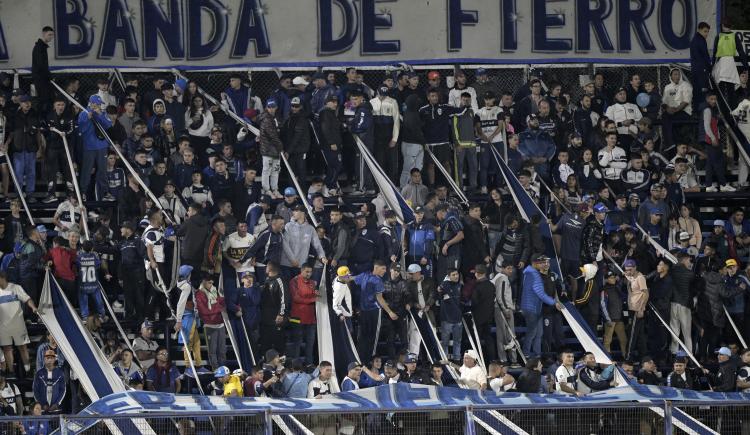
[(225, 33)]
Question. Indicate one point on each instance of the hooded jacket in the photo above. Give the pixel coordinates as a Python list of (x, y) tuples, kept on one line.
[(209, 305), (678, 93), (56, 383), (411, 130), (330, 127), (533, 295), (25, 127), (303, 299), (591, 240), (92, 138), (194, 231), (296, 133), (270, 141)]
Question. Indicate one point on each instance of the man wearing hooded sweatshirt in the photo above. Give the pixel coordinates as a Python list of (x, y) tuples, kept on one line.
[(40, 69), (537, 146), (676, 106), (298, 237), (412, 137), (94, 144)]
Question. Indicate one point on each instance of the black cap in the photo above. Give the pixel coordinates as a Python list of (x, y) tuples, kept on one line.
[(332, 97), (265, 199), (419, 209), (539, 258), (390, 363), (488, 95), (170, 182), (129, 225), (300, 208), (389, 213)]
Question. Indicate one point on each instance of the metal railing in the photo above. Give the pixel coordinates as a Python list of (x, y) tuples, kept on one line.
[(729, 418)]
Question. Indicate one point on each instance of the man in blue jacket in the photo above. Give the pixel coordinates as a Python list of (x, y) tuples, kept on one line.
[(94, 144), (49, 384), (532, 298), (371, 301), (537, 146), (700, 63), (362, 126)]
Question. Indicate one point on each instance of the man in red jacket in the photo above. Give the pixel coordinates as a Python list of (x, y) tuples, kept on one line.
[(61, 258), (304, 294), (210, 304)]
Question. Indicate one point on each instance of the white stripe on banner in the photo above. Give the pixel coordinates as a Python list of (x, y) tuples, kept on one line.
[(323, 326), (96, 375)]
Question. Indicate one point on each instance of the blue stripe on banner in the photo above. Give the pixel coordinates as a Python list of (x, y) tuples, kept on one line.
[(75, 336), (495, 423), (344, 354), (525, 203), (293, 425)]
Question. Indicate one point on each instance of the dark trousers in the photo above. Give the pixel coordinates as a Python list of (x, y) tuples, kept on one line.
[(157, 300), (552, 336), (487, 341), (638, 339), (369, 323), (667, 127), (386, 156), (94, 159), (307, 334), (299, 166), (333, 166), (55, 162), (289, 272), (391, 329), (658, 336), (70, 290), (134, 290), (272, 336), (715, 164)]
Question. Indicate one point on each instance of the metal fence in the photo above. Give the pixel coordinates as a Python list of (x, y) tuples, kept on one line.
[(616, 419), (264, 82)]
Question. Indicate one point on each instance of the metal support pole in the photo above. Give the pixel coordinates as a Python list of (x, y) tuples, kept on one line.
[(63, 426), (668, 417), (268, 426), (470, 429)]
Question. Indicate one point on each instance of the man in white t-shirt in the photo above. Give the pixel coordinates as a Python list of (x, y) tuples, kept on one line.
[(12, 326), (565, 375), (10, 395), (69, 215), (500, 380), (235, 247), (471, 375)]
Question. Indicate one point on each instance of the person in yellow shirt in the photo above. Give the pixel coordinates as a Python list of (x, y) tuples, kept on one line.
[(232, 382)]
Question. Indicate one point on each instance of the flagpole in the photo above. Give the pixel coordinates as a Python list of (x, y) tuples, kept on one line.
[(117, 323), (302, 195), (447, 176), (555, 197), (674, 336), (734, 326), (657, 246), (74, 178)]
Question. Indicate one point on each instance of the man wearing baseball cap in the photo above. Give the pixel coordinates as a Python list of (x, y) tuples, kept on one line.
[(725, 378), (736, 286), (94, 144), (532, 298), (593, 235), (271, 148), (385, 114)]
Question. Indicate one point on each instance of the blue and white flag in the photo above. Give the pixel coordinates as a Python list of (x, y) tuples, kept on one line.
[(96, 375), (390, 192)]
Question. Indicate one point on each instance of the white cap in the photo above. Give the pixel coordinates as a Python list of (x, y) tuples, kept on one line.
[(299, 80), (718, 223), (471, 353), (414, 268)]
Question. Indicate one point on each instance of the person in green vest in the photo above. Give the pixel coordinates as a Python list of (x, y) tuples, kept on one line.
[(726, 45)]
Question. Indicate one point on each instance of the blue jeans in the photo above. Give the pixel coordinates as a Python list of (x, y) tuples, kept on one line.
[(455, 331), (94, 159), (24, 165), (488, 169), (83, 301), (307, 334), (715, 165), (532, 341)]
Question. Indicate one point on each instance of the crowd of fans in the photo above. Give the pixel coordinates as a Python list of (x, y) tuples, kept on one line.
[(610, 170)]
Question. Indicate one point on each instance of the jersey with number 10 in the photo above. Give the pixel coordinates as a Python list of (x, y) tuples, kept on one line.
[(88, 264)]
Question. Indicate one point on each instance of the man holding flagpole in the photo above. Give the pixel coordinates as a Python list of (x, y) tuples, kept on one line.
[(95, 145)]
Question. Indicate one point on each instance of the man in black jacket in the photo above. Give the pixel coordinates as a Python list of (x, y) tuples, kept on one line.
[(483, 310), (274, 303), (25, 137), (330, 142), (55, 158), (680, 316), (40, 73), (475, 236), (131, 270), (681, 377), (593, 235), (296, 135), (725, 379), (193, 233)]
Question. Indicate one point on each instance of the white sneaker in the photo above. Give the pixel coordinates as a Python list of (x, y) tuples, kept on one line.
[(712, 188), (727, 188), (117, 305), (483, 191)]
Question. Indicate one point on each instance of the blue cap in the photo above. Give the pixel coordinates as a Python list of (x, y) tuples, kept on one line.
[(17, 248), (628, 263), (244, 274), (221, 372), (169, 232), (410, 358), (147, 324), (96, 99), (481, 72), (600, 208), (185, 270), (41, 228), (271, 102), (724, 351), (681, 354), (24, 98), (181, 83), (289, 191)]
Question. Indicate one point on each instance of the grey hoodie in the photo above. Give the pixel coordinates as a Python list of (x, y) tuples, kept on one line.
[(297, 239)]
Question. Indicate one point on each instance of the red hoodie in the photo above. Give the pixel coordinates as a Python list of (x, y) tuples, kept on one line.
[(62, 261), (303, 299), (212, 315)]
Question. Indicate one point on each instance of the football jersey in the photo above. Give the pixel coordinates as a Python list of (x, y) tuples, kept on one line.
[(88, 264), (155, 237), (488, 119), (236, 247)]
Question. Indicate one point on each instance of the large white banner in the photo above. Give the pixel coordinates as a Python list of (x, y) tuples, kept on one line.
[(265, 33)]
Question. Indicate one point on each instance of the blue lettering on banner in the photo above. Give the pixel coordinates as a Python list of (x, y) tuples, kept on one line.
[(166, 25), (509, 21), (357, 401), (251, 27), (541, 22), (327, 44), (69, 15), (666, 24), (118, 26), (372, 20), (627, 17), (4, 55), (457, 18), (594, 18), (197, 49)]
